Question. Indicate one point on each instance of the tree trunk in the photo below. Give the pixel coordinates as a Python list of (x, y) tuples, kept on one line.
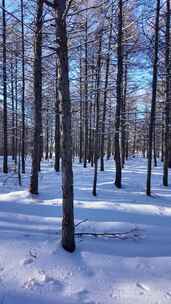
[(135, 135), (86, 97), (68, 241), (37, 98), (105, 99), (96, 148), (123, 121), (23, 91), (81, 111), (168, 95), (5, 122), (12, 105), (57, 124), (154, 148), (47, 135), (16, 108), (119, 96), (153, 101)]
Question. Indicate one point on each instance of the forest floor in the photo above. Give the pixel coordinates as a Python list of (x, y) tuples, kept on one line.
[(135, 268)]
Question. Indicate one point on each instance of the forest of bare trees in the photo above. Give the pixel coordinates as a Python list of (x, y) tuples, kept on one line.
[(88, 81)]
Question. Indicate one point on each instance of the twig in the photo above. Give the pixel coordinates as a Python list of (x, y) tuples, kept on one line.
[(81, 222)]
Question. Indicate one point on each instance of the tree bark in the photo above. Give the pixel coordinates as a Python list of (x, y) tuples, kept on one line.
[(23, 91), (105, 99), (16, 108), (68, 241), (12, 105), (37, 98), (119, 96), (86, 97), (57, 124), (5, 122), (81, 112), (153, 100), (123, 121), (96, 148), (168, 95), (47, 134)]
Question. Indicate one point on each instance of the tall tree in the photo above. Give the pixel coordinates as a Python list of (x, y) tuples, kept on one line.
[(153, 100), (86, 95), (96, 146), (119, 95), (68, 241), (23, 90), (5, 127), (16, 105), (168, 94), (12, 106), (81, 111), (105, 97), (37, 97)]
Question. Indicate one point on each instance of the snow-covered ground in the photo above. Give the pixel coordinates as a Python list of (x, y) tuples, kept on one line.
[(34, 269)]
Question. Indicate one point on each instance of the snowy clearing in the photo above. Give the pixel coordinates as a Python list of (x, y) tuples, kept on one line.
[(34, 268)]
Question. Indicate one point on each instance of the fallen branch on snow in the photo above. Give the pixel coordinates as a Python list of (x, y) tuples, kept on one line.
[(133, 234)]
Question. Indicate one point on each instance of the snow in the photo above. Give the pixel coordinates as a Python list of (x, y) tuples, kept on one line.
[(34, 269)]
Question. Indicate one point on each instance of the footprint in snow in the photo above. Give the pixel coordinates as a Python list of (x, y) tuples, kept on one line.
[(41, 280), (30, 259), (26, 261)]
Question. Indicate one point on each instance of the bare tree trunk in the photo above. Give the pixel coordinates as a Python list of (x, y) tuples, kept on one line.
[(90, 152), (153, 101), (168, 95), (51, 143), (19, 159), (154, 148), (123, 121), (37, 98), (5, 122), (96, 148), (135, 134), (68, 241), (119, 93), (127, 138), (16, 108), (47, 135), (105, 100), (57, 124), (86, 97), (23, 91), (162, 139), (90, 132), (12, 105), (81, 111), (109, 141)]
